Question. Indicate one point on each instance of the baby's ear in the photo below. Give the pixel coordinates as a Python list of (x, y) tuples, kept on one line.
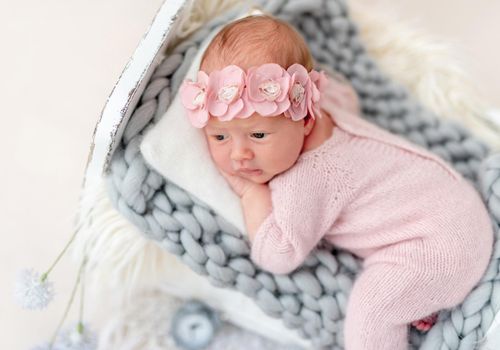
[(308, 125)]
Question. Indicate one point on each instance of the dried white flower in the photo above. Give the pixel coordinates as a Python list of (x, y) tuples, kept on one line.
[(31, 292), (77, 337)]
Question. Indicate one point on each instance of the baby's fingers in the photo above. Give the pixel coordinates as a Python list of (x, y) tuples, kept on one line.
[(238, 184)]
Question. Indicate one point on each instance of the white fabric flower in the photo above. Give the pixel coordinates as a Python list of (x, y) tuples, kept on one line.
[(31, 292)]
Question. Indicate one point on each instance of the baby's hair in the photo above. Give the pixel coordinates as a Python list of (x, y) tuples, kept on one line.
[(255, 40)]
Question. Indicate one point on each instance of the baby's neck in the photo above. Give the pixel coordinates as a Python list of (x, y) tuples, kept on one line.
[(321, 131)]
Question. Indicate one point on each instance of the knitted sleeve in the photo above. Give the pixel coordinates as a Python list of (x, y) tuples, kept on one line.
[(306, 201)]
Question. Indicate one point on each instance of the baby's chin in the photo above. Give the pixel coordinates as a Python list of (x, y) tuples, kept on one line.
[(258, 179), (261, 179)]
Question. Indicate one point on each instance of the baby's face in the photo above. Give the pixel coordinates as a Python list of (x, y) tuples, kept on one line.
[(256, 148)]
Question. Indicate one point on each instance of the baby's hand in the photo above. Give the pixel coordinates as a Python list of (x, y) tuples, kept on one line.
[(255, 201), (239, 185)]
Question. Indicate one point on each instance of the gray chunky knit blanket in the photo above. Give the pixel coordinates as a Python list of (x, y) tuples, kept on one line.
[(313, 298)]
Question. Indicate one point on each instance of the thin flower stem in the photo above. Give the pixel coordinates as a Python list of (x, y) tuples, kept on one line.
[(46, 274), (82, 294), (70, 302)]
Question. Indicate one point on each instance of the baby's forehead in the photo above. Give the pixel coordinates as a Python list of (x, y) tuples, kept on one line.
[(245, 123)]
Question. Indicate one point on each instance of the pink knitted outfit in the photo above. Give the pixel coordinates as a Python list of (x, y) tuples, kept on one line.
[(421, 228)]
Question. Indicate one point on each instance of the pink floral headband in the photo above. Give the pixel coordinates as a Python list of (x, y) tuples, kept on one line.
[(267, 89)]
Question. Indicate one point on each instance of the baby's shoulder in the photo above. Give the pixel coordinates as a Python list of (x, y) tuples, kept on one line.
[(329, 165), (375, 143), (323, 176)]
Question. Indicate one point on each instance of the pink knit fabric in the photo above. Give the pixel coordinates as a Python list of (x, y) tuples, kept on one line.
[(422, 229)]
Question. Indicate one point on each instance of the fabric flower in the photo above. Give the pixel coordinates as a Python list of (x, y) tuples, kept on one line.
[(319, 79), (267, 87), (318, 85), (225, 98), (194, 96), (299, 93), (32, 291)]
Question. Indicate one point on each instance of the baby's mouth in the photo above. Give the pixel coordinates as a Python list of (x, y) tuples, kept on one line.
[(253, 172)]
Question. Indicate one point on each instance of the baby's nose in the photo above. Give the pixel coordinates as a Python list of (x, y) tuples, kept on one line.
[(241, 152)]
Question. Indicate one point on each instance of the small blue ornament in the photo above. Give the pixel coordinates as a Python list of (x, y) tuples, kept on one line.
[(194, 325)]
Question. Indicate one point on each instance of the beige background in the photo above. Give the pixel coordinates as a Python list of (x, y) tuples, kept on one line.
[(59, 62)]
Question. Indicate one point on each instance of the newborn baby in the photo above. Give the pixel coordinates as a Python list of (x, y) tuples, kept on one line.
[(290, 142)]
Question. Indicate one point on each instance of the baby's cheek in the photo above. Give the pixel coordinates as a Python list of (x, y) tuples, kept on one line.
[(285, 156), (214, 154), (222, 161)]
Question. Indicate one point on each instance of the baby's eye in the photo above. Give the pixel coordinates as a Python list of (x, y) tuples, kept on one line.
[(259, 135), (219, 137)]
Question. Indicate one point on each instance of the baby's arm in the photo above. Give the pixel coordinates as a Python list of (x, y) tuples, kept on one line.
[(257, 206), (284, 240), (305, 201), (286, 220)]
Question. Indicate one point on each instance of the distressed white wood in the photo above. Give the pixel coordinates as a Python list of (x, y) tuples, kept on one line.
[(129, 88)]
